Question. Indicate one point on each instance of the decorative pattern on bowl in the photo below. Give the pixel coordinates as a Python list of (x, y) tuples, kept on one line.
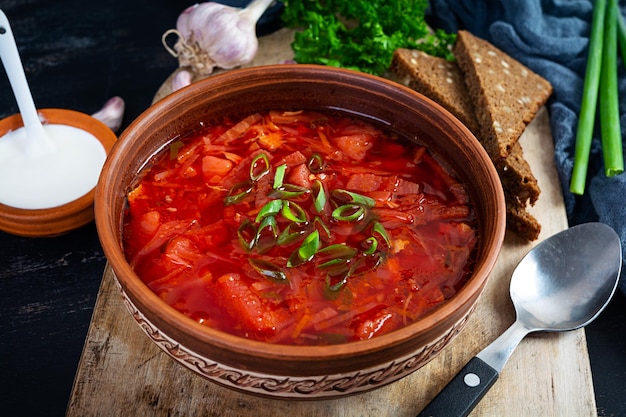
[(291, 387)]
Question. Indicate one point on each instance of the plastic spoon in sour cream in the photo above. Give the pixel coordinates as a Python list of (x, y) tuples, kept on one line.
[(42, 166)]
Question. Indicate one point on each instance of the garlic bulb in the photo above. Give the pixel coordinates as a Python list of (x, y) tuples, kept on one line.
[(214, 35)]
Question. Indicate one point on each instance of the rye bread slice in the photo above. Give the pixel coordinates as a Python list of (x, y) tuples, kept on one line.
[(442, 81), (519, 220), (505, 93), (438, 79)]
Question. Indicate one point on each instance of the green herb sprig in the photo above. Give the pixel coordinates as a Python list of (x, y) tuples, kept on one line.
[(361, 35)]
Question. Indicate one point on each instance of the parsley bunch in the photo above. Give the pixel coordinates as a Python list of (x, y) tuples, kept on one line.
[(361, 35)]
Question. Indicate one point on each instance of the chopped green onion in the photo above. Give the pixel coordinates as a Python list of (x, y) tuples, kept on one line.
[(609, 103), (370, 244), (263, 241), (247, 234), (378, 228), (316, 163), (337, 251), (270, 209), (353, 198), (336, 286), (349, 212), (319, 196), (238, 193), (287, 237), (584, 132), (258, 172), (279, 176), (306, 251), (319, 224), (268, 270), (287, 191), (294, 212)]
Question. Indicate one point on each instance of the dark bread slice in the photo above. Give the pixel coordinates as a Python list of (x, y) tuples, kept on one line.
[(442, 81), (505, 93), (436, 78), (517, 177), (519, 220)]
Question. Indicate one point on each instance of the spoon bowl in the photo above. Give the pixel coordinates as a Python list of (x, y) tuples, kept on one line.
[(582, 284), (562, 284)]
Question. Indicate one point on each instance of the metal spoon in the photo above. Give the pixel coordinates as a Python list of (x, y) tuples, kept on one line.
[(562, 284), (37, 142)]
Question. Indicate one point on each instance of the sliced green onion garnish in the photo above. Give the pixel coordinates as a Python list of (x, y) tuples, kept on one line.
[(319, 224), (379, 229), (259, 167), (349, 213), (306, 251), (319, 196), (316, 163), (238, 192), (353, 198), (247, 234), (294, 212), (279, 176), (287, 236), (268, 270), (266, 241), (337, 251), (336, 286), (370, 244), (270, 209), (287, 191)]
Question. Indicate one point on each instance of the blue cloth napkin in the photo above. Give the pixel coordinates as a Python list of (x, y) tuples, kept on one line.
[(551, 38)]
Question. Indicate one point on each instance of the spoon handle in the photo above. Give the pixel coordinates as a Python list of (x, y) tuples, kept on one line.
[(15, 72), (38, 142), (463, 392)]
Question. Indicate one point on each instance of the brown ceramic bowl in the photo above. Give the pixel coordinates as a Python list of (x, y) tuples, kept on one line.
[(60, 219), (295, 371)]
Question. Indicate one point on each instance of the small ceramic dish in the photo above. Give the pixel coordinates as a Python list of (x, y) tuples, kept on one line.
[(60, 219), (288, 371)]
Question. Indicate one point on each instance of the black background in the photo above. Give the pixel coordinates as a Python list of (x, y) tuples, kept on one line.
[(77, 55)]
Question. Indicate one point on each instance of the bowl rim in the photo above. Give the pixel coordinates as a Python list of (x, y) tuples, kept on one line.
[(59, 219), (141, 293)]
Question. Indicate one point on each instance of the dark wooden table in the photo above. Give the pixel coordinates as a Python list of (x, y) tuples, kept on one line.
[(77, 55)]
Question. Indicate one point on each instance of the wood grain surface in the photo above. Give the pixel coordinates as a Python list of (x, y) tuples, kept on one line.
[(123, 373)]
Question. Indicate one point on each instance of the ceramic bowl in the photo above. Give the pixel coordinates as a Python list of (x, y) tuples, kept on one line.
[(61, 219), (300, 372)]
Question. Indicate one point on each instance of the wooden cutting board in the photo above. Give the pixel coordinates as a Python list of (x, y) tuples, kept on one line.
[(121, 372)]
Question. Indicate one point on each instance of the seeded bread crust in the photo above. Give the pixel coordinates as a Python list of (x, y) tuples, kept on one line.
[(441, 81), (519, 220), (505, 93), (438, 79), (517, 177)]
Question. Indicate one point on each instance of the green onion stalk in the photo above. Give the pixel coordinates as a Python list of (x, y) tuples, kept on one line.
[(609, 102), (584, 132)]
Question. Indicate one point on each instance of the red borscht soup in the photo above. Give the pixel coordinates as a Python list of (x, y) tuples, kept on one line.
[(301, 228)]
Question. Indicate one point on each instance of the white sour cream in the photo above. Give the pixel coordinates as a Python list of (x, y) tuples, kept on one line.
[(64, 175)]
